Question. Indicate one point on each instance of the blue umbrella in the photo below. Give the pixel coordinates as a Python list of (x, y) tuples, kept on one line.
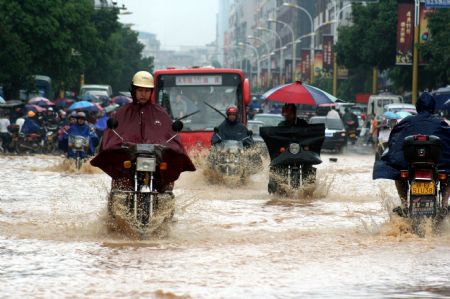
[(2, 100), (89, 98), (391, 115), (80, 105)]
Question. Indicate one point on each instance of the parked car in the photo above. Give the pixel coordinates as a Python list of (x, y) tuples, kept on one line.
[(269, 120), (335, 136), (254, 126), (400, 107)]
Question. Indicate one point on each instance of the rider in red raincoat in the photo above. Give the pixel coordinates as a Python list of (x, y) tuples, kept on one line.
[(142, 122)]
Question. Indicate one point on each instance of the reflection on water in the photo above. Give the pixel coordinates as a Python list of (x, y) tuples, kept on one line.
[(227, 241)]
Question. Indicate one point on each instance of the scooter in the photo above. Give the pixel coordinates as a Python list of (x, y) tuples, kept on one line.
[(293, 152)]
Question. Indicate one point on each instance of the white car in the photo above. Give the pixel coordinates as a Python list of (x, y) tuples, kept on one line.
[(400, 107)]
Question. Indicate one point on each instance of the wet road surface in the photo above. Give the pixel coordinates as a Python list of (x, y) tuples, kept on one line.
[(227, 241)]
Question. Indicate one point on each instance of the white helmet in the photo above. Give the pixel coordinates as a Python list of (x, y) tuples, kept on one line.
[(143, 79)]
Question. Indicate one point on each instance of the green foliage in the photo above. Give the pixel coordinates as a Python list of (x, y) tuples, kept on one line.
[(437, 51), (64, 39)]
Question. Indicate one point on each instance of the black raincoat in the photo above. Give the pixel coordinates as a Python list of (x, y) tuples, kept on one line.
[(424, 123)]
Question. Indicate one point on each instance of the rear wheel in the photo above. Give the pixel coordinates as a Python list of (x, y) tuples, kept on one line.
[(78, 162)]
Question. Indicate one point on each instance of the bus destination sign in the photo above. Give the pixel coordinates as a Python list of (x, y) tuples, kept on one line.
[(198, 80)]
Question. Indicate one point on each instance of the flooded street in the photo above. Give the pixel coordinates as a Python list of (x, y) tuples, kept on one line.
[(226, 242)]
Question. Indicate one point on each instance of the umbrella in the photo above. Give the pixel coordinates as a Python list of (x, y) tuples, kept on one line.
[(34, 108), (321, 92), (63, 102), (95, 107), (80, 105), (11, 104), (2, 100), (121, 100), (391, 115), (41, 101), (89, 98), (111, 108), (297, 93)]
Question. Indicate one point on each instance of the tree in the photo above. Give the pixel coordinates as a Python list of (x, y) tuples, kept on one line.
[(64, 39), (437, 51), (369, 42)]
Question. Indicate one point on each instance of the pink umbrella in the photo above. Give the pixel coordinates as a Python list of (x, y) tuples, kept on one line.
[(35, 108), (41, 101), (99, 107)]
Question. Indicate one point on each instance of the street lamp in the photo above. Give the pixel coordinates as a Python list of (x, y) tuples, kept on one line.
[(292, 5), (280, 49), (293, 43), (269, 66), (258, 66)]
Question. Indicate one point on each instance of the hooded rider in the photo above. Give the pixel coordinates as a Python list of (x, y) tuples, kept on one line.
[(81, 128), (142, 122), (393, 160), (232, 129)]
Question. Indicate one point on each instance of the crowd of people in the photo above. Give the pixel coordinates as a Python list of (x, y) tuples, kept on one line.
[(32, 128)]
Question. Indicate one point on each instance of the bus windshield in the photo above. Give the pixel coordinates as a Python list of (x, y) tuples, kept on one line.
[(185, 94)]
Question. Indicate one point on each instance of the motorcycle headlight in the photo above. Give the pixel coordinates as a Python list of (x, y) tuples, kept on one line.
[(78, 143), (294, 148), (145, 164)]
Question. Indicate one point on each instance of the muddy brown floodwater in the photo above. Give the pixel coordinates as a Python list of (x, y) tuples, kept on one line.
[(227, 241)]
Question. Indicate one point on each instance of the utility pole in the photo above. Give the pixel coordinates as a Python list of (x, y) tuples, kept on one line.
[(415, 77)]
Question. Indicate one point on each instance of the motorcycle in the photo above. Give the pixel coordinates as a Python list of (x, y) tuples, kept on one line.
[(29, 143), (426, 183), (78, 147), (232, 158), (350, 127), (50, 139), (143, 208), (293, 152)]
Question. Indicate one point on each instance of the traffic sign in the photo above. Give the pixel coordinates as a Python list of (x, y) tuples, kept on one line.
[(437, 3)]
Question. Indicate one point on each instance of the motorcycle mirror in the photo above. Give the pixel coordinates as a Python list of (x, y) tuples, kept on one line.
[(216, 130), (112, 123), (177, 126)]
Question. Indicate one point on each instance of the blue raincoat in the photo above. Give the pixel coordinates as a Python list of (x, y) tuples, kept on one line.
[(30, 126), (390, 164), (85, 131)]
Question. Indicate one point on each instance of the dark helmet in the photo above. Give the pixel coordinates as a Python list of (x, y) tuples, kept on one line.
[(446, 109), (425, 103), (81, 115), (232, 110)]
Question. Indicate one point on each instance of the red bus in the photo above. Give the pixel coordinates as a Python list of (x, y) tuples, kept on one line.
[(185, 91)]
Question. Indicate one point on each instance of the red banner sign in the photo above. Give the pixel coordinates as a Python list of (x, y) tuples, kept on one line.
[(405, 33), (305, 55), (327, 53)]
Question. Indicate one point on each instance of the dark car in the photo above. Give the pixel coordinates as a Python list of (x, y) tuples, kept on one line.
[(335, 136)]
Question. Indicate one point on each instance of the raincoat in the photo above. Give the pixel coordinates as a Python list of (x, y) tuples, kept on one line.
[(81, 130), (232, 131), (30, 126), (142, 124), (423, 123)]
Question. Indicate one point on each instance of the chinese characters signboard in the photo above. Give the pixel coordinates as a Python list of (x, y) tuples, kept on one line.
[(405, 33), (327, 53), (437, 3), (198, 80)]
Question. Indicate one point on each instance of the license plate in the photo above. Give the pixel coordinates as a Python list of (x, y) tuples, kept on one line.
[(422, 188), (328, 134), (422, 207)]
